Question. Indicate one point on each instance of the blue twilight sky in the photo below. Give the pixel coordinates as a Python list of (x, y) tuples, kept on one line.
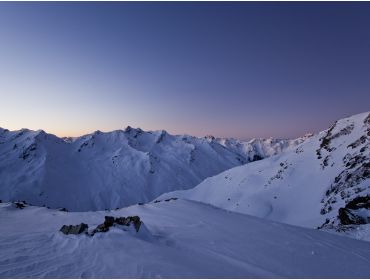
[(242, 69)]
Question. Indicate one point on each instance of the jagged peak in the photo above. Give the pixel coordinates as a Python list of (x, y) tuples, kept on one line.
[(210, 137), (130, 129)]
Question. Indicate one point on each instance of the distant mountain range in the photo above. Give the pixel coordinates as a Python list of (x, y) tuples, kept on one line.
[(115, 169)]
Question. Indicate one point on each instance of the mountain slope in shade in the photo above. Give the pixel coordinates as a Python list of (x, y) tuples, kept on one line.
[(107, 170), (183, 239), (324, 182)]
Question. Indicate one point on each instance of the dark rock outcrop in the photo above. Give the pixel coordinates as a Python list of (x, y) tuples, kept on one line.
[(135, 220), (348, 215), (123, 221), (109, 221), (71, 229), (19, 205), (169, 199), (100, 228), (104, 227), (256, 157), (359, 202)]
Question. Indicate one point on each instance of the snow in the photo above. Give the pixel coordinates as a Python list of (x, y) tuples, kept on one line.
[(102, 171), (184, 239), (291, 186)]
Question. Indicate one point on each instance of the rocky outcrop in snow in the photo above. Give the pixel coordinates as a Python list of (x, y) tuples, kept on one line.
[(120, 221), (123, 223), (77, 229)]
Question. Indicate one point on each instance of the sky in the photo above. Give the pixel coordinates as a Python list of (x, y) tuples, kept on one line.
[(241, 69)]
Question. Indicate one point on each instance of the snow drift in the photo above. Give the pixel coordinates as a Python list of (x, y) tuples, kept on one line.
[(184, 239)]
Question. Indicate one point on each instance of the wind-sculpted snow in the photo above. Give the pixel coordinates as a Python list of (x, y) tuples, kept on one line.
[(305, 186), (183, 239), (108, 170)]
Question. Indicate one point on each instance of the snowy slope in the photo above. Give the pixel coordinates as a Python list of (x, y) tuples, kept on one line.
[(107, 170), (184, 239), (259, 148), (305, 186)]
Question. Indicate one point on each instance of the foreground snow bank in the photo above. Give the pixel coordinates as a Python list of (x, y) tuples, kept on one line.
[(182, 239)]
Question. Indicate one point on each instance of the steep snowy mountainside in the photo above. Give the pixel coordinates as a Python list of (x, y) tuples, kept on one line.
[(108, 170), (182, 239), (323, 182)]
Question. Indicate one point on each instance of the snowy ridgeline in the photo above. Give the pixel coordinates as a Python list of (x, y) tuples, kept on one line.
[(322, 183), (178, 239), (108, 170)]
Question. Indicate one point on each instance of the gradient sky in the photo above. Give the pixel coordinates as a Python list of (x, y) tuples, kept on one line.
[(228, 69)]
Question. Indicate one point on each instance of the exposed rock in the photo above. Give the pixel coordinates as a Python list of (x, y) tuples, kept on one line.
[(77, 229), (27, 152), (136, 222), (256, 157), (109, 221), (349, 216), (104, 227), (169, 199), (100, 228), (123, 221), (359, 202), (358, 142), (19, 205), (367, 120), (326, 140), (357, 169)]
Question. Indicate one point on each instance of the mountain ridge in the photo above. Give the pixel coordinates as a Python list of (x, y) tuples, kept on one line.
[(323, 183), (107, 170)]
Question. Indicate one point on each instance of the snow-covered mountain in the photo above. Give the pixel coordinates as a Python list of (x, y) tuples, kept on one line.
[(108, 170), (317, 181), (323, 182), (182, 239)]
